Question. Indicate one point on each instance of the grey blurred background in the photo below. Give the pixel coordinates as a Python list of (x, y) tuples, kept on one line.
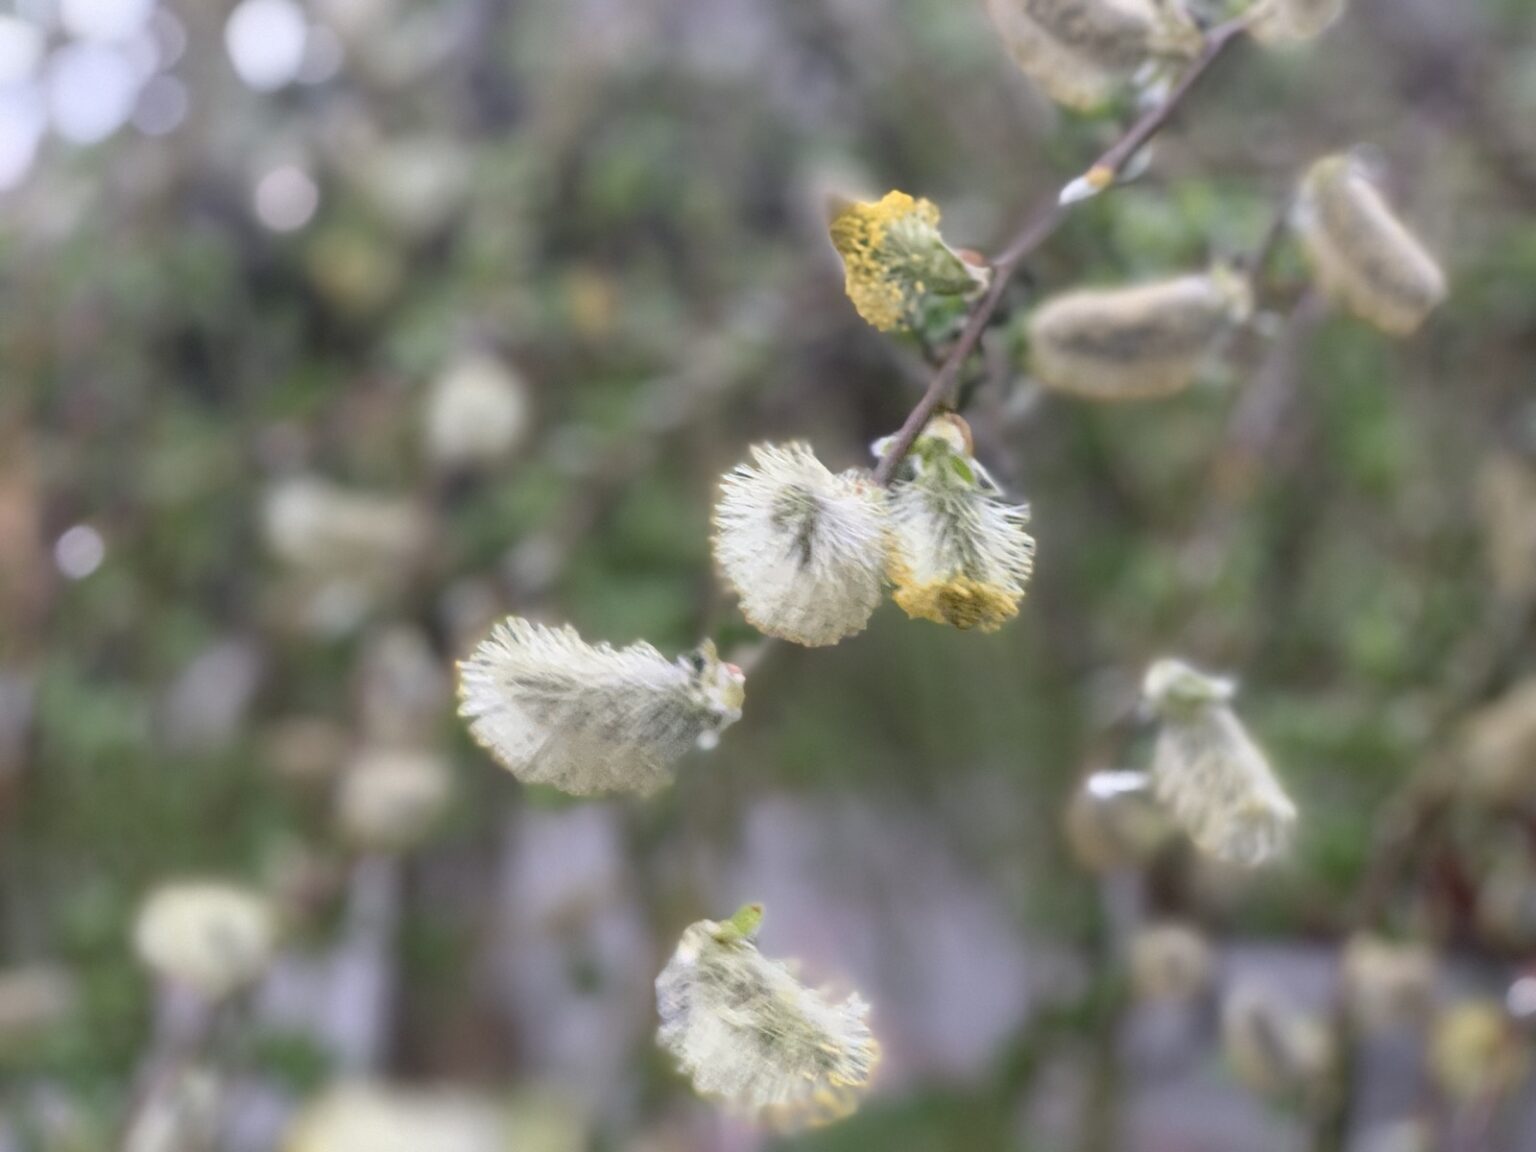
[(249, 255)]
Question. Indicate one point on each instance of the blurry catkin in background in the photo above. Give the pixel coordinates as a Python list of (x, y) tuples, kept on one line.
[(209, 936), (1080, 51), (1134, 343), (1295, 21), (1361, 253), (1213, 778), (1276, 1050), (803, 549)]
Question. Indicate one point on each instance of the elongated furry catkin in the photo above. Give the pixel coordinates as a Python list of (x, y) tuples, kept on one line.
[(747, 1032), (1080, 51), (1293, 21), (1134, 343), (1212, 777), (587, 718), (1361, 253)]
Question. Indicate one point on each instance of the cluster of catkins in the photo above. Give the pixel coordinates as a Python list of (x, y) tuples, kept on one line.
[(811, 553)]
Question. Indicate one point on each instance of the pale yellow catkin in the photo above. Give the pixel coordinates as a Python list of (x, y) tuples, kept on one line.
[(1294, 21), (1134, 343), (1362, 255), (1080, 51)]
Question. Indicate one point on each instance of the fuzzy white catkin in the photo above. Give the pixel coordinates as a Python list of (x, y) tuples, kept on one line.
[(588, 719), (476, 413), (362, 1117), (212, 937), (1293, 21), (1139, 342), (960, 554), (804, 549), (390, 799), (1361, 253), (1080, 51), (1209, 773), (316, 526), (745, 1031)]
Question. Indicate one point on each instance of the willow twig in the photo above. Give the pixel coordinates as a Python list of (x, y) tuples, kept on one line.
[(1039, 228)]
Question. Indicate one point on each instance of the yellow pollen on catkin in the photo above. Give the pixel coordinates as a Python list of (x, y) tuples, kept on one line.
[(960, 602), (875, 283)]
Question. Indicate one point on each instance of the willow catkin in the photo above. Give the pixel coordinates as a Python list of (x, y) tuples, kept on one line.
[(805, 550), (588, 719), (1112, 822), (1080, 51), (1387, 985), (1276, 1051), (1361, 253), (1212, 777), (366, 1117), (1496, 746), (476, 413), (212, 937), (1293, 21), (747, 1032), (1134, 343), (895, 261), (1475, 1052), (960, 554), (389, 799), (1170, 961)]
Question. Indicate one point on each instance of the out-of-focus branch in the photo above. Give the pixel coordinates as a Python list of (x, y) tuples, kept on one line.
[(1039, 228)]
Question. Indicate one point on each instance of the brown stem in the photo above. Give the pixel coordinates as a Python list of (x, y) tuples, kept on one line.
[(1038, 229)]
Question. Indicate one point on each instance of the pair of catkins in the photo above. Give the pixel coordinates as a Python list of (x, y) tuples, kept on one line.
[(1149, 340)]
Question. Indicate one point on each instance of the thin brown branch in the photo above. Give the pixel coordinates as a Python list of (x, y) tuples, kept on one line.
[(1038, 229)]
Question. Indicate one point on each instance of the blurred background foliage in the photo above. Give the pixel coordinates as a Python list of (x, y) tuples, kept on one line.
[(261, 263)]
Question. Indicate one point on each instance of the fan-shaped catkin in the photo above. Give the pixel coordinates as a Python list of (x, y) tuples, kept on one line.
[(1081, 51), (212, 937), (960, 553), (586, 718), (747, 1032), (1210, 774), (1134, 343), (895, 261), (1292, 21), (805, 550), (1361, 253)]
